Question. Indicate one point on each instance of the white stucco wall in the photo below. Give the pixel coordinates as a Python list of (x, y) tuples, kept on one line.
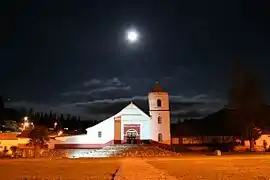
[(106, 128), (164, 112), (259, 142), (144, 125), (133, 115)]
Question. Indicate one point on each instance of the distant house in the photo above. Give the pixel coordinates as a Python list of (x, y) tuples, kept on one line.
[(7, 140), (263, 140)]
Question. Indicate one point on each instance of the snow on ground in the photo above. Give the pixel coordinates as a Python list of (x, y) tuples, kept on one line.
[(234, 167)]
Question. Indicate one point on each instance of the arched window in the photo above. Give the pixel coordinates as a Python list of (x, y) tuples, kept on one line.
[(159, 120), (159, 103), (159, 137)]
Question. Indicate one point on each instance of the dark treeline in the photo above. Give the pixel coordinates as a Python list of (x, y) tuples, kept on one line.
[(59, 121), (68, 122)]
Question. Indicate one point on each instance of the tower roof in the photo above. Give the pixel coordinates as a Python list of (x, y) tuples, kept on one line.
[(157, 88)]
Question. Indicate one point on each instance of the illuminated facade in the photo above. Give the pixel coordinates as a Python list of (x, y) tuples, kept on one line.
[(159, 112), (131, 125)]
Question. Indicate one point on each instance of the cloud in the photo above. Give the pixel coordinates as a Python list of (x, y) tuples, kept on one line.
[(181, 107), (100, 86), (109, 82), (97, 90), (114, 82), (195, 99), (92, 82)]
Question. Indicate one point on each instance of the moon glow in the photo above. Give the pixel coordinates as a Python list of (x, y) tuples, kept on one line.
[(132, 36)]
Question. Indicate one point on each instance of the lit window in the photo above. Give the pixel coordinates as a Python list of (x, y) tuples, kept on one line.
[(159, 120), (99, 134), (159, 103), (159, 137)]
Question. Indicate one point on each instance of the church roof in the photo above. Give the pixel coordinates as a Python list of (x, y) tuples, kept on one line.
[(157, 88), (131, 109)]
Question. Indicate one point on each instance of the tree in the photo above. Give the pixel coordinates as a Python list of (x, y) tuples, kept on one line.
[(2, 107), (30, 113), (246, 98), (38, 137)]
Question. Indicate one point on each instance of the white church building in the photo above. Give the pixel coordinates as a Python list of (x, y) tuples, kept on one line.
[(129, 126)]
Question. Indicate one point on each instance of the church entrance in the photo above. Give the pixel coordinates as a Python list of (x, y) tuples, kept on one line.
[(131, 136), (132, 133)]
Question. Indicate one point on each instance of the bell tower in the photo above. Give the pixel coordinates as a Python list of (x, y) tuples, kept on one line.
[(159, 111)]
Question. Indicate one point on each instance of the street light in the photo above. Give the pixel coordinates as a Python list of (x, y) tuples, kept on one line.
[(55, 124)]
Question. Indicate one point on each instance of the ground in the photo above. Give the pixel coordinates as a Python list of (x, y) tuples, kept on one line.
[(186, 167)]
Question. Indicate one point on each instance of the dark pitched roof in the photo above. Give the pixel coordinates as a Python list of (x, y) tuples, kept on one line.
[(157, 88), (8, 136)]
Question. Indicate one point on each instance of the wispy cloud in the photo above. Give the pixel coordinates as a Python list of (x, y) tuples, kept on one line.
[(196, 99), (113, 84), (97, 90), (92, 82)]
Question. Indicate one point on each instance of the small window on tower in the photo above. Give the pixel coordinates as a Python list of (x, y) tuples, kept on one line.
[(159, 137), (99, 134), (159, 103), (159, 120)]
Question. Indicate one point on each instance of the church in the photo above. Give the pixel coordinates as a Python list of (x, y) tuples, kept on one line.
[(129, 126)]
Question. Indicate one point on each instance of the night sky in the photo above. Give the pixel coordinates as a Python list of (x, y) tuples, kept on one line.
[(72, 56)]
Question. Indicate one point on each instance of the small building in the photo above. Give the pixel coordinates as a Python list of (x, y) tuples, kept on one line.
[(263, 141)]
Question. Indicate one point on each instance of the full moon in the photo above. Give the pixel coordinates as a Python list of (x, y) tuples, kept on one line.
[(132, 36)]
